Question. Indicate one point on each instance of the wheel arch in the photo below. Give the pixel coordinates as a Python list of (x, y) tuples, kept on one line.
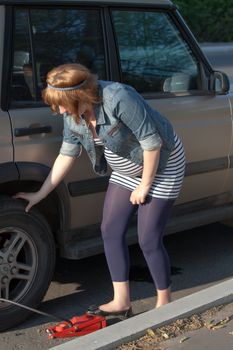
[(28, 176)]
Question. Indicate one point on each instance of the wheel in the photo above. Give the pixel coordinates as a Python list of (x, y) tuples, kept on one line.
[(27, 260)]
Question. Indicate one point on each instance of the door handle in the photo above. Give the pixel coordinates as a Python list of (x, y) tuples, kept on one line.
[(32, 131)]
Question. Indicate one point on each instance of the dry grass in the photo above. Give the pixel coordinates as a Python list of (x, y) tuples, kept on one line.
[(154, 337)]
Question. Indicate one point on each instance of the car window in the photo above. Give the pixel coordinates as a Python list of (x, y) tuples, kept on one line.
[(22, 87), (153, 55), (45, 38)]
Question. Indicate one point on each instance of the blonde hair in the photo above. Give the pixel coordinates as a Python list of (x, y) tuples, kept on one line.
[(66, 76)]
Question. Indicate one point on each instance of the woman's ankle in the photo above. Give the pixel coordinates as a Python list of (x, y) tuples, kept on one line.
[(163, 297), (121, 298)]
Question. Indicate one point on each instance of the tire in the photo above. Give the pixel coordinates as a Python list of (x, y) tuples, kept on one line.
[(27, 260)]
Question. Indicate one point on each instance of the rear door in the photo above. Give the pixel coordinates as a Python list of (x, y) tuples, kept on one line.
[(8, 170), (161, 61), (45, 37)]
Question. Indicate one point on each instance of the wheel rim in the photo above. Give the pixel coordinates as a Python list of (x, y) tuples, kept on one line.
[(18, 264)]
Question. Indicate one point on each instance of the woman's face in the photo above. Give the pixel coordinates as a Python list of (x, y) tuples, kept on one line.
[(62, 109), (82, 109)]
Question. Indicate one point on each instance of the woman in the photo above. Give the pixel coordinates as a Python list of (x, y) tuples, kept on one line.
[(116, 126)]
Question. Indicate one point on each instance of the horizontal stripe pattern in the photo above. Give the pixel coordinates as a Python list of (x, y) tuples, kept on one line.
[(165, 185), (120, 164)]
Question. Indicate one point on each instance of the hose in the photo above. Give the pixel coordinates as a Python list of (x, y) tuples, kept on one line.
[(58, 318)]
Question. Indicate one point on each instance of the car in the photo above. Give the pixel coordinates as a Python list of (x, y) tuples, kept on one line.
[(145, 44)]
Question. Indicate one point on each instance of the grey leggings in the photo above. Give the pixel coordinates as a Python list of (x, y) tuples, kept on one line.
[(152, 218)]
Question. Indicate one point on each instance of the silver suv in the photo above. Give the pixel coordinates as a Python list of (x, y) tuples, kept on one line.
[(142, 43)]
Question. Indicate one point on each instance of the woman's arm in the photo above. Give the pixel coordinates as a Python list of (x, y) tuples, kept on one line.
[(59, 170), (150, 165)]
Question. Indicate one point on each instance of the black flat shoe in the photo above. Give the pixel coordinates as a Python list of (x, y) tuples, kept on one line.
[(95, 310)]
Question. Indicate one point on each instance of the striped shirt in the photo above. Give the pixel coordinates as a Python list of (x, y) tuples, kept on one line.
[(166, 185)]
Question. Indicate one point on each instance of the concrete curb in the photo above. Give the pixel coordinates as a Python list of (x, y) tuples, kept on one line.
[(133, 328)]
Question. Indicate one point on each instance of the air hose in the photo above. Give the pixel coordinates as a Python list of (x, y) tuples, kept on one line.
[(57, 318)]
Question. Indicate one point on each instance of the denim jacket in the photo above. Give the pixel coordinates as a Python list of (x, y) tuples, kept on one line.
[(125, 123)]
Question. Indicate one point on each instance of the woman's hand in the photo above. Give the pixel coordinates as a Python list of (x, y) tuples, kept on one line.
[(138, 196), (150, 165), (32, 198), (60, 168)]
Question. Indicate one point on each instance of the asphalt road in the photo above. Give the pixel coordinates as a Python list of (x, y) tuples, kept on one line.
[(199, 258)]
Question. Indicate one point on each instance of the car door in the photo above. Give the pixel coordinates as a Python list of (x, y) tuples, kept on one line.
[(45, 37), (8, 170), (163, 63)]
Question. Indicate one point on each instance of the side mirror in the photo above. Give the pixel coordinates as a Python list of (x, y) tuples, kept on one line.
[(219, 82)]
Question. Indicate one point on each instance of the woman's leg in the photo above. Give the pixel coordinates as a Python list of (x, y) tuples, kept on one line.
[(116, 214), (152, 219)]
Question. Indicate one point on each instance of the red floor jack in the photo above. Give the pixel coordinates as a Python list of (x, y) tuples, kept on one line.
[(76, 326)]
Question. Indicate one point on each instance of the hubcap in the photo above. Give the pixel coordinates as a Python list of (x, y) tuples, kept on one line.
[(18, 263)]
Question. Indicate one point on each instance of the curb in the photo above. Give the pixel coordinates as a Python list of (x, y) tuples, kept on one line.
[(135, 327)]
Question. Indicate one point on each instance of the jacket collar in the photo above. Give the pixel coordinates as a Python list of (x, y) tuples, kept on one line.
[(98, 108), (99, 114)]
